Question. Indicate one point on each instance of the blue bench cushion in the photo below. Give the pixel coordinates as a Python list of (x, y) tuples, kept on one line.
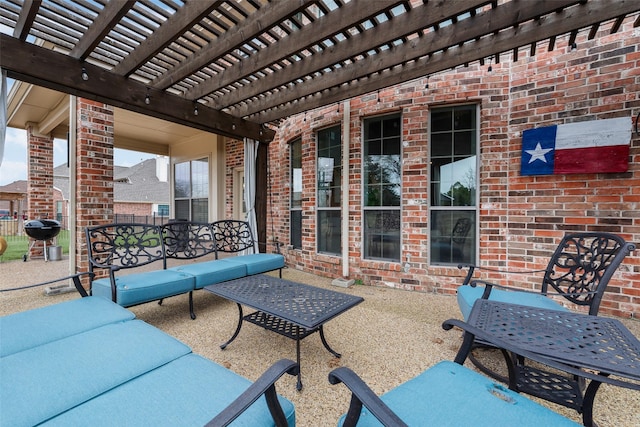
[(467, 296), (212, 272), (449, 394), (186, 392), (81, 367), (138, 288), (28, 329), (258, 263)]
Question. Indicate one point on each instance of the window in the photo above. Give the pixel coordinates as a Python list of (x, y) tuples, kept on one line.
[(191, 190), (163, 210), (239, 205), (382, 165), (453, 142), (329, 176), (296, 194)]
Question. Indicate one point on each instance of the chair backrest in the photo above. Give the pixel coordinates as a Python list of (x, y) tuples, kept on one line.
[(233, 236), (188, 240), (583, 264), (124, 245)]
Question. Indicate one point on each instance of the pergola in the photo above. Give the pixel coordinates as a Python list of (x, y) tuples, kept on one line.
[(238, 67)]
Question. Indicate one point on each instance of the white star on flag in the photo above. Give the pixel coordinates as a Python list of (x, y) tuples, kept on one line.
[(538, 153)]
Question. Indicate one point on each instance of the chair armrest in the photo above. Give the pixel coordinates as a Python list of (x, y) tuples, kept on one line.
[(489, 286), (74, 277), (361, 395), (265, 385), (471, 269)]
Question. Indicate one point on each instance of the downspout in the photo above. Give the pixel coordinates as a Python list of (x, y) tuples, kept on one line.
[(345, 187), (73, 182)]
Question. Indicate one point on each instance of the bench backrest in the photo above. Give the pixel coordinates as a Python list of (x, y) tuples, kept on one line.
[(124, 245), (233, 236), (188, 240)]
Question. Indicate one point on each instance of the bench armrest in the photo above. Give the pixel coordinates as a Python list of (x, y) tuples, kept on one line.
[(76, 282), (265, 385), (361, 395)]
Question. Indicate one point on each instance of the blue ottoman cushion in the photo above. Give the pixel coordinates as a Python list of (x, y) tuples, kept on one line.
[(28, 329), (193, 391), (83, 366)]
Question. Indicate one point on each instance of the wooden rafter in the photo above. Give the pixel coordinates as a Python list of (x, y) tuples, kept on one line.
[(264, 60)]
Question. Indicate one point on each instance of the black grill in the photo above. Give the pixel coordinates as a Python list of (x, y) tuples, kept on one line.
[(42, 229)]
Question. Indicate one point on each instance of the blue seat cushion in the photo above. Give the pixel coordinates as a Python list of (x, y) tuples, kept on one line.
[(259, 263), (212, 272), (449, 394), (28, 329), (138, 288), (467, 296), (45, 381), (186, 392)]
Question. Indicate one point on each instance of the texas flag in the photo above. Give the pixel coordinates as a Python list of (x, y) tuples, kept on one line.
[(598, 146)]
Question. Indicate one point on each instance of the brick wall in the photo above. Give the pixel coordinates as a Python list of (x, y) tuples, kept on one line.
[(522, 218), (137, 209), (94, 192), (234, 158), (40, 182)]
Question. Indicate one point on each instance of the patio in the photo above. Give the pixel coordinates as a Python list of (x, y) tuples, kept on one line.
[(367, 336)]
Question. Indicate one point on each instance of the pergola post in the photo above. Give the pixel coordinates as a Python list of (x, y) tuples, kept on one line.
[(40, 180), (94, 171)]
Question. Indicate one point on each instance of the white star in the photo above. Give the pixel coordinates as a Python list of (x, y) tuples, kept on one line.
[(538, 153)]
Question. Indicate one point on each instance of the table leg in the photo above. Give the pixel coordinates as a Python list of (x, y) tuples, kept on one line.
[(587, 402), (326, 345), (235, 334), (299, 384)]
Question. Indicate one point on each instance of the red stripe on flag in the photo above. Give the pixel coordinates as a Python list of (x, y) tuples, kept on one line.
[(608, 159)]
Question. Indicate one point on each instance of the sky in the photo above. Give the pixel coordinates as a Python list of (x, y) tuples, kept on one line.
[(14, 163)]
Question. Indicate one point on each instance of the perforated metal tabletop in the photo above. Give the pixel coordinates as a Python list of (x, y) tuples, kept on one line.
[(291, 309), (304, 305)]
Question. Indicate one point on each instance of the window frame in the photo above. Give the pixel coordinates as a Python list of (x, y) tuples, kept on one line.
[(381, 211), (320, 210), (475, 208), (190, 197), (295, 241)]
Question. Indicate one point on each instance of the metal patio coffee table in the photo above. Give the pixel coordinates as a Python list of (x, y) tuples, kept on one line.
[(601, 346), (291, 309)]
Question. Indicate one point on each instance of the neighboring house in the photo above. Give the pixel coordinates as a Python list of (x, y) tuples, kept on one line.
[(142, 189)]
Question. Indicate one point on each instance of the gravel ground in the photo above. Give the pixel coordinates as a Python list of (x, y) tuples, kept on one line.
[(389, 338)]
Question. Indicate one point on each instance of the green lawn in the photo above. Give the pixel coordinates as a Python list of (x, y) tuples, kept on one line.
[(17, 246)]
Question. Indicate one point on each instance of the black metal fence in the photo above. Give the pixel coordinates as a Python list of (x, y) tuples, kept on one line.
[(14, 227), (141, 219)]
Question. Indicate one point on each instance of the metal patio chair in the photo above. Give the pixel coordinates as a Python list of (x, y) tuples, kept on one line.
[(578, 272)]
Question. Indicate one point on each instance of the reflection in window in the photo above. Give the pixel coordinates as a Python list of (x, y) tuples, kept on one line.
[(296, 194), (453, 173), (191, 190), (329, 176), (382, 179)]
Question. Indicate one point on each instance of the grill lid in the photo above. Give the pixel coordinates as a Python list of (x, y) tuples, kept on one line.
[(42, 229)]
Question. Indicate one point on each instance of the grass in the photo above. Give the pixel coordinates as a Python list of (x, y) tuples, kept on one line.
[(17, 246)]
